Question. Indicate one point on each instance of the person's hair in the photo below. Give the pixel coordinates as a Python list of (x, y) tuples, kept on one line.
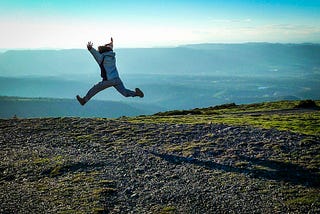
[(103, 49)]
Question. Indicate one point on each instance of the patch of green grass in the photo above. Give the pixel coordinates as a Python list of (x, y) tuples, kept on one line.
[(56, 171), (263, 168), (82, 177), (98, 210), (257, 115), (107, 182), (143, 141), (311, 197), (187, 148), (71, 211), (104, 191), (41, 160), (84, 138), (241, 164), (168, 210)]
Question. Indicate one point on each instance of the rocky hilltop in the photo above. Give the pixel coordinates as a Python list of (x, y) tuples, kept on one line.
[(160, 164)]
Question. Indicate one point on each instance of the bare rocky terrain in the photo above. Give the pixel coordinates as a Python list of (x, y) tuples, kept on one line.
[(77, 165)]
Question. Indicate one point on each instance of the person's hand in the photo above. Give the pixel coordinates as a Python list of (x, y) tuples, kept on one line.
[(110, 43), (89, 45)]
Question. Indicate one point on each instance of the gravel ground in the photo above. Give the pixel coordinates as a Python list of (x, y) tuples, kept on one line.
[(73, 165)]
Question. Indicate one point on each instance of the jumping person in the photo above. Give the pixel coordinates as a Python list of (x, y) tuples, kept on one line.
[(105, 57)]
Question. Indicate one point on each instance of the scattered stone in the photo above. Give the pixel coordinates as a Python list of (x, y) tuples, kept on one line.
[(58, 165)]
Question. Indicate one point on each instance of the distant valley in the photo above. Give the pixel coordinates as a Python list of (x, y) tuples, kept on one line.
[(183, 77)]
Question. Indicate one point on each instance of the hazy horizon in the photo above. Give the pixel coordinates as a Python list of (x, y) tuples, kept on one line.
[(173, 46)]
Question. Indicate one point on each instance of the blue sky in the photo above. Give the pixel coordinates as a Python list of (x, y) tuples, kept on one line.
[(71, 23)]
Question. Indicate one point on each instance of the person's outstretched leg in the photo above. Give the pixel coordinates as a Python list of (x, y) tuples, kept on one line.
[(96, 89), (126, 92)]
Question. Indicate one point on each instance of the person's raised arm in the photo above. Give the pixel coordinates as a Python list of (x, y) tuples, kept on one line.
[(97, 56)]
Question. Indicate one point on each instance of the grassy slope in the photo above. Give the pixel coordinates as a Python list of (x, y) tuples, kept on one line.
[(282, 115)]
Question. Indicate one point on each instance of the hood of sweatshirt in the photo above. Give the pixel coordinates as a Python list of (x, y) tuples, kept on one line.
[(109, 54)]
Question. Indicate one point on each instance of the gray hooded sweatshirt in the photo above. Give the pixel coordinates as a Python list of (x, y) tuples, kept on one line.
[(109, 62)]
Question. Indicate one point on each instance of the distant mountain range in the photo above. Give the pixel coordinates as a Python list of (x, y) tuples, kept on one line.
[(183, 77), (213, 59), (48, 107)]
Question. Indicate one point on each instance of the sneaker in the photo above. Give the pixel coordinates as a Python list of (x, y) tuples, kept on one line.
[(81, 100), (139, 93)]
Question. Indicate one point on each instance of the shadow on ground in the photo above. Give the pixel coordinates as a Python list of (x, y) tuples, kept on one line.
[(71, 167), (268, 169)]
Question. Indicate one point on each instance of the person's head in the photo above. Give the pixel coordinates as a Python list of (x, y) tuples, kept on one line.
[(104, 48)]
